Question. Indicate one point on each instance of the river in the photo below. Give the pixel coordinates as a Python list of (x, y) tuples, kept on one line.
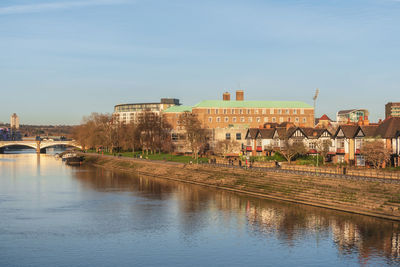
[(57, 215)]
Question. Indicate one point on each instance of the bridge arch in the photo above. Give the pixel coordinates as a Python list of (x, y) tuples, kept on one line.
[(28, 145)]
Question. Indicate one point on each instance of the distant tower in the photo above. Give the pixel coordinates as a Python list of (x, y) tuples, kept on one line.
[(14, 121)]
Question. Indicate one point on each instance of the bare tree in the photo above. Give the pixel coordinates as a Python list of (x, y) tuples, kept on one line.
[(375, 152), (289, 149), (322, 146), (225, 147), (196, 136)]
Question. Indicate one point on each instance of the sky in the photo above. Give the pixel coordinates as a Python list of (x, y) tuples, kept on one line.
[(62, 60)]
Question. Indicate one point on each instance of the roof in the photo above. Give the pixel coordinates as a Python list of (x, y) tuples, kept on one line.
[(349, 131), (267, 133), (251, 104), (388, 128), (369, 130), (325, 118), (176, 109), (252, 133), (341, 112)]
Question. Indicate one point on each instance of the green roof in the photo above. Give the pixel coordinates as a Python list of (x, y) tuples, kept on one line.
[(173, 109), (251, 104)]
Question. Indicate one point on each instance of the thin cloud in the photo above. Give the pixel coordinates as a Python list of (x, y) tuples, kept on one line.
[(42, 7)]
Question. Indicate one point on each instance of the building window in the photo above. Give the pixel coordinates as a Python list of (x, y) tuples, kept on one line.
[(340, 143), (265, 119), (240, 111), (218, 119), (225, 111), (250, 119), (287, 111), (216, 111), (258, 119), (228, 136), (174, 137), (241, 119), (208, 111), (271, 111), (273, 119), (256, 111), (311, 145), (294, 111), (210, 119), (301, 111), (304, 120), (296, 119), (234, 119), (264, 111), (280, 119), (238, 136), (232, 111), (248, 111), (226, 119), (279, 111)]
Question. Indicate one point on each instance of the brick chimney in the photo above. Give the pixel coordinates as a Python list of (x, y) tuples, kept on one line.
[(226, 96), (239, 95), (360, 121), (366, 121)]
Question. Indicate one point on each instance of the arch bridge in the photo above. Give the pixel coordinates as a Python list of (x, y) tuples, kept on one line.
[(38, 145)]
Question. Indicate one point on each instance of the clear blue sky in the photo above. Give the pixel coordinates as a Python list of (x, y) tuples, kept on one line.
[(60, 60)]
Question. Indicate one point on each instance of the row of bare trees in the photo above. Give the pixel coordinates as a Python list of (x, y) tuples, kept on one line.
[(149, 133)]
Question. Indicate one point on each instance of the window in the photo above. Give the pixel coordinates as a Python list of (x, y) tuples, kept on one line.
[(248, 111), (311, 145), (287, 111), (304, 120), (271, 111), (216, 111), (225, 111), (218, 119), (208, 111), (238, 136), (265, 119), (273, 119), (232, 111), (234, 119), (228, 136), (280, 119), (240, 111), (258, 119), (340, 143), (296, 119), (250, 119), (294, 111), (301, 111), (174, 137), (256, 111), (264, 111), (210, 119), (241, 119), (279, 111), (226, 119)]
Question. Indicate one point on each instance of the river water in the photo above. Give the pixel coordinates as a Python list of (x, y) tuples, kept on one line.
[(56, 215)]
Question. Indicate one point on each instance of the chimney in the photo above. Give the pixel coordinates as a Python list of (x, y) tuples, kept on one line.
[(267, 126), (239, 95), (226, 96), (366, 121), (360, 121)]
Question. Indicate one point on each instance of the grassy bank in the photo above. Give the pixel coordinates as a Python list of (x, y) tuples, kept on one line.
[(364, 197)]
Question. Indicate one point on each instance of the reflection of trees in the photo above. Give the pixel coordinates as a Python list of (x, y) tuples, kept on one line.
[(199, 207)]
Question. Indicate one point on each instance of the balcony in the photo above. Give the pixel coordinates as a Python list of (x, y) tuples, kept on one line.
[(249, 148)]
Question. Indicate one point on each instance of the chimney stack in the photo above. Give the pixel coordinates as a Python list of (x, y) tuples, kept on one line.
[(239, 95), (226, 96)]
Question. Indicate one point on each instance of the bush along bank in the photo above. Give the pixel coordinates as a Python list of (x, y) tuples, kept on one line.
[(363, 197)]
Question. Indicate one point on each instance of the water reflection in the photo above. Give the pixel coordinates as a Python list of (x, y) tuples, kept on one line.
[(291, 224)]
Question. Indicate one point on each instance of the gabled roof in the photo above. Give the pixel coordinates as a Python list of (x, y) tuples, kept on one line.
[(251, 104), (266, 133), (388, 128), (349, 131), (252, 133), (315, 132), (291, 131), (325, 118)]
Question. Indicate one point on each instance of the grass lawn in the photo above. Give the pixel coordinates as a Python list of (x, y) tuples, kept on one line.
[(162, 156)]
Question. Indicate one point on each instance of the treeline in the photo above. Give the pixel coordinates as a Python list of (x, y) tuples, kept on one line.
[(150, 133)]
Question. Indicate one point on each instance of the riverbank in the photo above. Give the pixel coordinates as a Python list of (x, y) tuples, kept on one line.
[(356, 196)]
